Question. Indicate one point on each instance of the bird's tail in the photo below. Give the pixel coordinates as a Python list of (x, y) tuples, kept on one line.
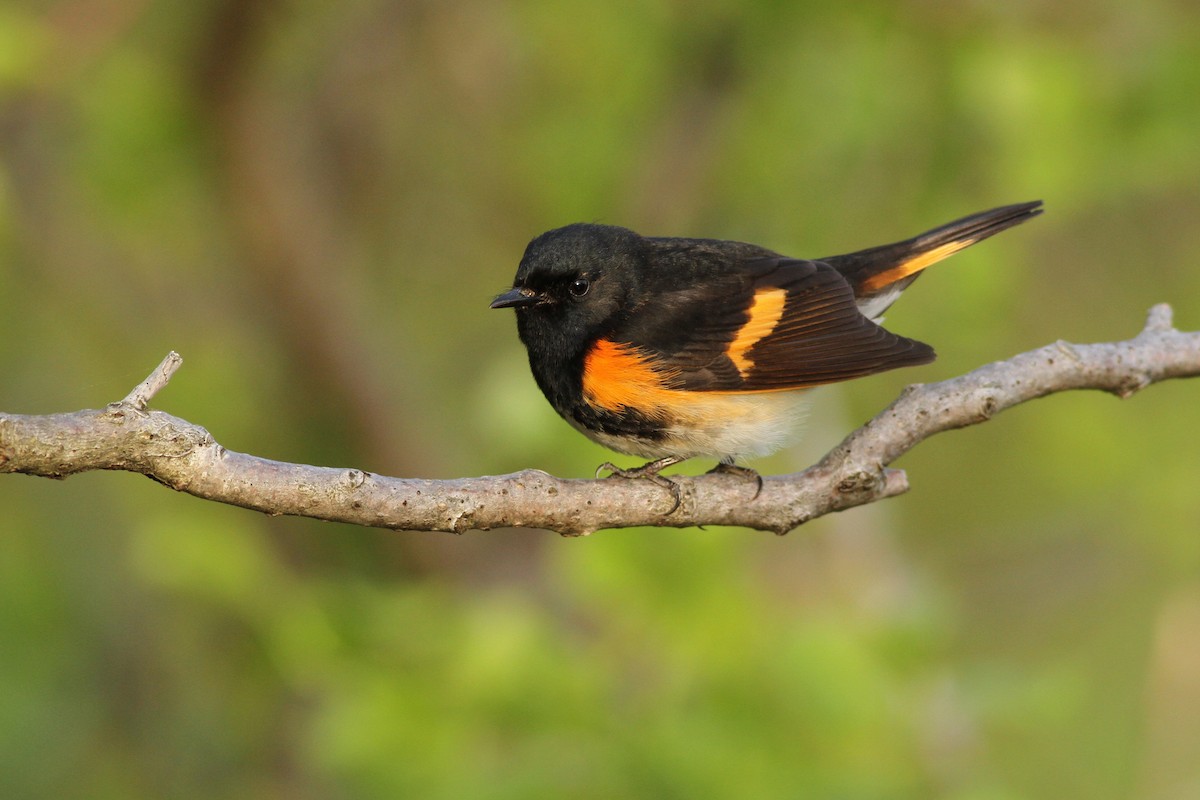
[(879, 274)]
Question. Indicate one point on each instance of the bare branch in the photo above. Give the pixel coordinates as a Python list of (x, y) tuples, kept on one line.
[(126, 436)]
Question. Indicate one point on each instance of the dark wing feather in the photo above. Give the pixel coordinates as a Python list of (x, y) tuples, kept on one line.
[(706, 341)]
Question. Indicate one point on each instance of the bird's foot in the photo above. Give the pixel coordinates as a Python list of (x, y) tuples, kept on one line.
[(648, 472), (729, 468)]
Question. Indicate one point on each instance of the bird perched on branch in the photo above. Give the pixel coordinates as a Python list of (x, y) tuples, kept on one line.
[(675, 348)]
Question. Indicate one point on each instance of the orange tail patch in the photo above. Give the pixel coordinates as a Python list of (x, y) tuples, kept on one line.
[(914, 264)]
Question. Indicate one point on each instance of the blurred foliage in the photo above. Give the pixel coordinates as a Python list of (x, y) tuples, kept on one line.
[(314, 202)]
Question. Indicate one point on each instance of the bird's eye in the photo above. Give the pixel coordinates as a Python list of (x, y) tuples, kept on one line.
[(579, 287)]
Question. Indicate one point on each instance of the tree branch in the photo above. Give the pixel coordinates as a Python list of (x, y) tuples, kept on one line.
[(127, 436)]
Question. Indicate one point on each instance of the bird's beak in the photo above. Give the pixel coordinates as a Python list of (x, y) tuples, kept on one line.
[(516, 298)]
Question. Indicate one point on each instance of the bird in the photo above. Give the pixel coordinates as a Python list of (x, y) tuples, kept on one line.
[(671, 348)]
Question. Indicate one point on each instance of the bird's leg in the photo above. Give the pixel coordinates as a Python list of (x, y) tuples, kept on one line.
[(727, 467), (649, 472)]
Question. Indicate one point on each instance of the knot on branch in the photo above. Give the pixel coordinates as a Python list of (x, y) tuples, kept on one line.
[(1132, 385), (859, 484)]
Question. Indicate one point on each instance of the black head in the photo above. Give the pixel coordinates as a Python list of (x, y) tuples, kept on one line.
[(573, 283)]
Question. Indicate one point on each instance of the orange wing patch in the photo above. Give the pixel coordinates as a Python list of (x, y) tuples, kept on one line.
[(766, 309), (617, 376), (915, 264)]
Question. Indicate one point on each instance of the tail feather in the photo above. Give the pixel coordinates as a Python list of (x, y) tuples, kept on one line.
[(879, 274)]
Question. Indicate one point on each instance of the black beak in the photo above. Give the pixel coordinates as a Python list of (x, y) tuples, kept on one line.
[(516, 298)]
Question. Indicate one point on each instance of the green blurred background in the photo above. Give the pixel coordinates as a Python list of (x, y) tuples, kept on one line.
[(314, 202)]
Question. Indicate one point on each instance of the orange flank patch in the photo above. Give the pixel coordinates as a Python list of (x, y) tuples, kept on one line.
[(766, 309), (617, 376), (914, 264)]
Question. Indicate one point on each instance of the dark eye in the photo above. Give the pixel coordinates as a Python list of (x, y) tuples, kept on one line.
[(579, 287)]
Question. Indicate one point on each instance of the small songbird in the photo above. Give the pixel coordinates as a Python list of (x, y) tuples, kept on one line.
[(675, 348)]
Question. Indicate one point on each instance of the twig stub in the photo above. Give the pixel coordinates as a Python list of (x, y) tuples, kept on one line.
[(141, 395)]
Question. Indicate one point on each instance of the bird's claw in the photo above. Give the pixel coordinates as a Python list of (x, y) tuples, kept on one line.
[(648, 472), (733, 469)]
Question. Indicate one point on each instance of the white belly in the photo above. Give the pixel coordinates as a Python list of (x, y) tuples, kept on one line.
[(722, 426)]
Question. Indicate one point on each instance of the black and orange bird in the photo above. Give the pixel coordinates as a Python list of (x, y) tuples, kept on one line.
[(676, 348)]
